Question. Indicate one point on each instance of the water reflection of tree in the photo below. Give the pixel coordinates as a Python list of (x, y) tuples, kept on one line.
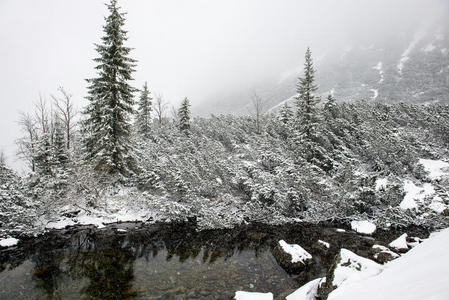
[(46, 272), (110, 273)]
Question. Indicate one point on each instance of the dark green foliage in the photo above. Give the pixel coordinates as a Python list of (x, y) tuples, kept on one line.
[(285, 114), (184, 116), (106, 129), (44, 155), (143, 121), (306, 101), (61, 157)]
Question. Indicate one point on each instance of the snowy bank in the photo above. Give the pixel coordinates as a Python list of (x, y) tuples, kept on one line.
[(421, 273)]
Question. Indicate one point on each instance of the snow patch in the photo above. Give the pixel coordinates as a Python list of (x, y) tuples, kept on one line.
[(379, 67), (400, 243), (438, 205), (297, 253), (405, 55), (240, 295), (414, 194), (375, 93), (8, 242), (364, 227), (435, 168), (307, 291), (381, 183), (340, 230), (325, 244), (429, 48)]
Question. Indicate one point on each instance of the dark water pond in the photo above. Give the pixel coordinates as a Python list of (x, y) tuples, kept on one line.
[(165, 262)]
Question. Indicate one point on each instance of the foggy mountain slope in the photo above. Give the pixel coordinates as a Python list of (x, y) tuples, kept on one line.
[(407, 66)]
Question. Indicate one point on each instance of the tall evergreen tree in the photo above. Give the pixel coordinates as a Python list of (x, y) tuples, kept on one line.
[(306, 99), (107, 128), (143, 120), (184, 116)]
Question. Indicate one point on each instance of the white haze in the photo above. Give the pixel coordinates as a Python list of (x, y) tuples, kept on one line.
[(196, 48)]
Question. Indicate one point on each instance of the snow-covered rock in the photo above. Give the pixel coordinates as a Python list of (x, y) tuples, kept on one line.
[(240, 295), (348, 267), (353, 267), (400, 243), (325, 244), (364, 227), (421, 273), (297, 253), (307, 291), (291, 257), (8, 242), (383, 254), (435, 168)]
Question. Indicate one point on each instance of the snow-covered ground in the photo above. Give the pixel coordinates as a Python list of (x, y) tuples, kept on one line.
[(297, 253), (436, 168), (415, 194), (422, 273)]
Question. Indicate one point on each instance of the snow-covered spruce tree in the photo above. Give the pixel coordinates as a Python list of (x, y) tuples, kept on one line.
[(285, 114), (184, 116), (106, 129), (143, 121), (44, 155), (2, 159), (329, 107), (60, 154), (309, 139), (306, 101)]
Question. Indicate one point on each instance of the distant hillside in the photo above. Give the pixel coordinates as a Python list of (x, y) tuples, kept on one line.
[(405, 66)]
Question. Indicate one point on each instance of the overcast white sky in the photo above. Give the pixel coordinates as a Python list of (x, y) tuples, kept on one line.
[(194, 48)]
